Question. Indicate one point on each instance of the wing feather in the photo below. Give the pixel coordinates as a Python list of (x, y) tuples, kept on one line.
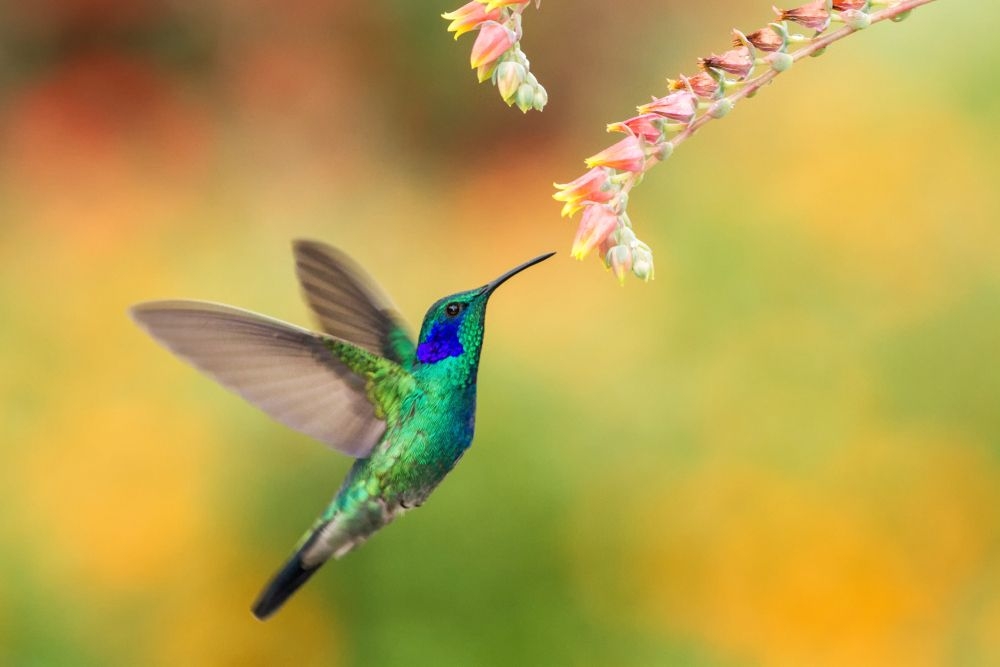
[(348, 304), (287, 371)]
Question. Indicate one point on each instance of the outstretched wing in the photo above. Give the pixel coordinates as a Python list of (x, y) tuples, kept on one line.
[(288, 372), (348, 304)]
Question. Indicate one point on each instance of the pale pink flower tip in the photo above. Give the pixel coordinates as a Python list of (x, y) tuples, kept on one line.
[(627, 155), (491, 43)]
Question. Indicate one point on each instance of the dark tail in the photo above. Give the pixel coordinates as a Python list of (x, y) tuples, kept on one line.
[(287, 580)]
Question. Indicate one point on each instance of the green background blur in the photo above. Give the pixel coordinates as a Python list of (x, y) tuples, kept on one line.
[(783, 451)]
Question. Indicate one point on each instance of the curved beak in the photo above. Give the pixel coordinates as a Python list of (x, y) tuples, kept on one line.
[(492, 285)]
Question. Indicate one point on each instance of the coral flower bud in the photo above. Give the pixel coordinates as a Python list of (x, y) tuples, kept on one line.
[(510, 75), (468, 17), (735, 61), (765, 39), (597, 223), (675, 106), (627, 155), (813, 15), (491, 43), (648, 126)]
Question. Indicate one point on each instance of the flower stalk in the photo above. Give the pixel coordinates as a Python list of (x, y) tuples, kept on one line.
[(755, 59), (496, 53)]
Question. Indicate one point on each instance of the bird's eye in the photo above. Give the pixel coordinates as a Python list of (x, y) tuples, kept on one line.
[(453, 309)]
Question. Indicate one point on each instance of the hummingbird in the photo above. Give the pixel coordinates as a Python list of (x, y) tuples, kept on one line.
[(404, 410)]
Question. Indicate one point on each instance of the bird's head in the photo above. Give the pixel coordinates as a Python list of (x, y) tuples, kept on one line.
[(453, 326)]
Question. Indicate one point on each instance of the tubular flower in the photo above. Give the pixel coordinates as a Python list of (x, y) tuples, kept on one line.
[(596, 225), (813, 15), (735, 61), (594, 186), (648, 127), (493, 41), (765, 39), (702, 84), (675, 106), (468, 17), (626, 155)]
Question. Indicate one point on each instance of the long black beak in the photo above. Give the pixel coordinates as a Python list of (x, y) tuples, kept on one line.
[(490, 286)]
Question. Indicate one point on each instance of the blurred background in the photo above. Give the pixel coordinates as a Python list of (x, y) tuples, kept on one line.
[(783, 451)]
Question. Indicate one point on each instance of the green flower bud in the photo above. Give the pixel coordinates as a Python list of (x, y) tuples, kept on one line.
[(525, 97), (720, 108), (541, 97), (855, 18), (509, 76), (642, 263), (780, 61)]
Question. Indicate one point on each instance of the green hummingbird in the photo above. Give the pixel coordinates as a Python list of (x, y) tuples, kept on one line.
[(405, 411)]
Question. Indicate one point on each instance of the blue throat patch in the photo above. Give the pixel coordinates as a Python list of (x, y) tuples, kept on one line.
[(442, 342)]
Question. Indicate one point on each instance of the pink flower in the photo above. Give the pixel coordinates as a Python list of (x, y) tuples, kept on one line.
[(596, 225), (627, 155), (735, 61), (703, 84), (814, 15), (765, 39), (675, 106), (648, 127), (595, 185), (468, 17), (491, 43)]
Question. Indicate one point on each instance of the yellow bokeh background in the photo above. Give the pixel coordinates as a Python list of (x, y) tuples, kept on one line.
[(785, 450)]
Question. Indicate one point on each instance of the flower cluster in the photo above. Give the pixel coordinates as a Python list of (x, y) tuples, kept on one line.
[(496, 53), (753, 60)]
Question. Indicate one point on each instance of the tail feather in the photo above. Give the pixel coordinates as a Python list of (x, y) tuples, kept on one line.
[(295, 572)]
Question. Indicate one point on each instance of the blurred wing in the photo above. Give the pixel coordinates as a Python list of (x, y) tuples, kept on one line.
[(288, 372), (348, 304)]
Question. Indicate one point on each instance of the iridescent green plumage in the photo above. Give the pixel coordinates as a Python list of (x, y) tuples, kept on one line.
[(406, 411)]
